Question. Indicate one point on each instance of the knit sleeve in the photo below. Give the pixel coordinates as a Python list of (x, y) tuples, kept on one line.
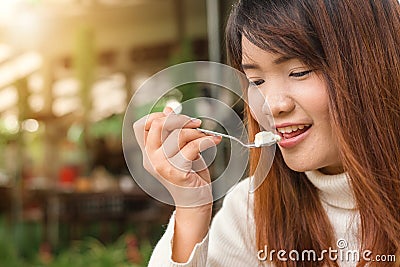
[(228, 243), (162, 254)]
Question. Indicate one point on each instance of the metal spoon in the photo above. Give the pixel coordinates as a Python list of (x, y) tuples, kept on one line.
[(251, 145)]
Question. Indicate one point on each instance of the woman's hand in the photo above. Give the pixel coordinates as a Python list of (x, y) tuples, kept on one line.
[(171, 149)]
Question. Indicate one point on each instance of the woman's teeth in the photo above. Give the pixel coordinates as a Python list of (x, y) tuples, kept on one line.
[(292, 128)]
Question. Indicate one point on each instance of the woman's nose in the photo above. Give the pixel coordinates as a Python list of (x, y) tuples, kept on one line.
[(278, 104)]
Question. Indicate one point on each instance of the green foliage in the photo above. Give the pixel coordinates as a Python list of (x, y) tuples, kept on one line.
[(111, 126), (92, 253), (8, 248), (87, 253)]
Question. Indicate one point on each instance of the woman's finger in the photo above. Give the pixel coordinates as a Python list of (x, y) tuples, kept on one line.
[(192, 149), (162, 127), (141, 126), (200, 167), (178, 139)]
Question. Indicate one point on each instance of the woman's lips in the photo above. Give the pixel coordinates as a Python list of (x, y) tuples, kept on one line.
[(292, 139)]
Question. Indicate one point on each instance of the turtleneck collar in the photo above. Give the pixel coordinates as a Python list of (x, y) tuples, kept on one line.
[(335, 190)]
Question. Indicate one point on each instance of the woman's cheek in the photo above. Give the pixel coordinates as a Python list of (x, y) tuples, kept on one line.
[(257, 106)]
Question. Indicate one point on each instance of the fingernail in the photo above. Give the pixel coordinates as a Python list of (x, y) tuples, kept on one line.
[(168, 110), (217, 138), (195, 120)]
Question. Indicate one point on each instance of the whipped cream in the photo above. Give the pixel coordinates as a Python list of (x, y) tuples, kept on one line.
[(265, 137)]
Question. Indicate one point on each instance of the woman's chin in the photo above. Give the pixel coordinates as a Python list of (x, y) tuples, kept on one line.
[(302, 167), (298, 167), (295, 164)]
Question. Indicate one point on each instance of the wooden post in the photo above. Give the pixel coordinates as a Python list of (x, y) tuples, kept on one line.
[(84, 64)]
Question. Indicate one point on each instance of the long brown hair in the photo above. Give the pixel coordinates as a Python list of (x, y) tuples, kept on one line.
[(356, 45)]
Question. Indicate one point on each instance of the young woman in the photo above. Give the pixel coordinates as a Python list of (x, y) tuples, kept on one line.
[(330, 73)]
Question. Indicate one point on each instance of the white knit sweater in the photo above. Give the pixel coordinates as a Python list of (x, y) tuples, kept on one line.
[(231, 238)]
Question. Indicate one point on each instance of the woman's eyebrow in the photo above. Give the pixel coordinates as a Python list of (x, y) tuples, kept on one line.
[(250, 66), (282, 59), (277, 61)]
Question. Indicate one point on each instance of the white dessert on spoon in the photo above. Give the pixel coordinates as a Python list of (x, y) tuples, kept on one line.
[(265, 137)]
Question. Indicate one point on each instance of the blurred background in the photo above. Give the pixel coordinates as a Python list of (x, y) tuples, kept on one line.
[(68, 69)]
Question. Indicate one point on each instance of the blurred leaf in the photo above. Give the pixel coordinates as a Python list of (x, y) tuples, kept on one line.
[(111, 126)]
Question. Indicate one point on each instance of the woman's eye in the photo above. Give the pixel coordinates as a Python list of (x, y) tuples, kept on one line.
[(257, 82), (300, 74)]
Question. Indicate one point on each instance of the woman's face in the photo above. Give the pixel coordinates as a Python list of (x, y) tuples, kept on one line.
[(297, 99)]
